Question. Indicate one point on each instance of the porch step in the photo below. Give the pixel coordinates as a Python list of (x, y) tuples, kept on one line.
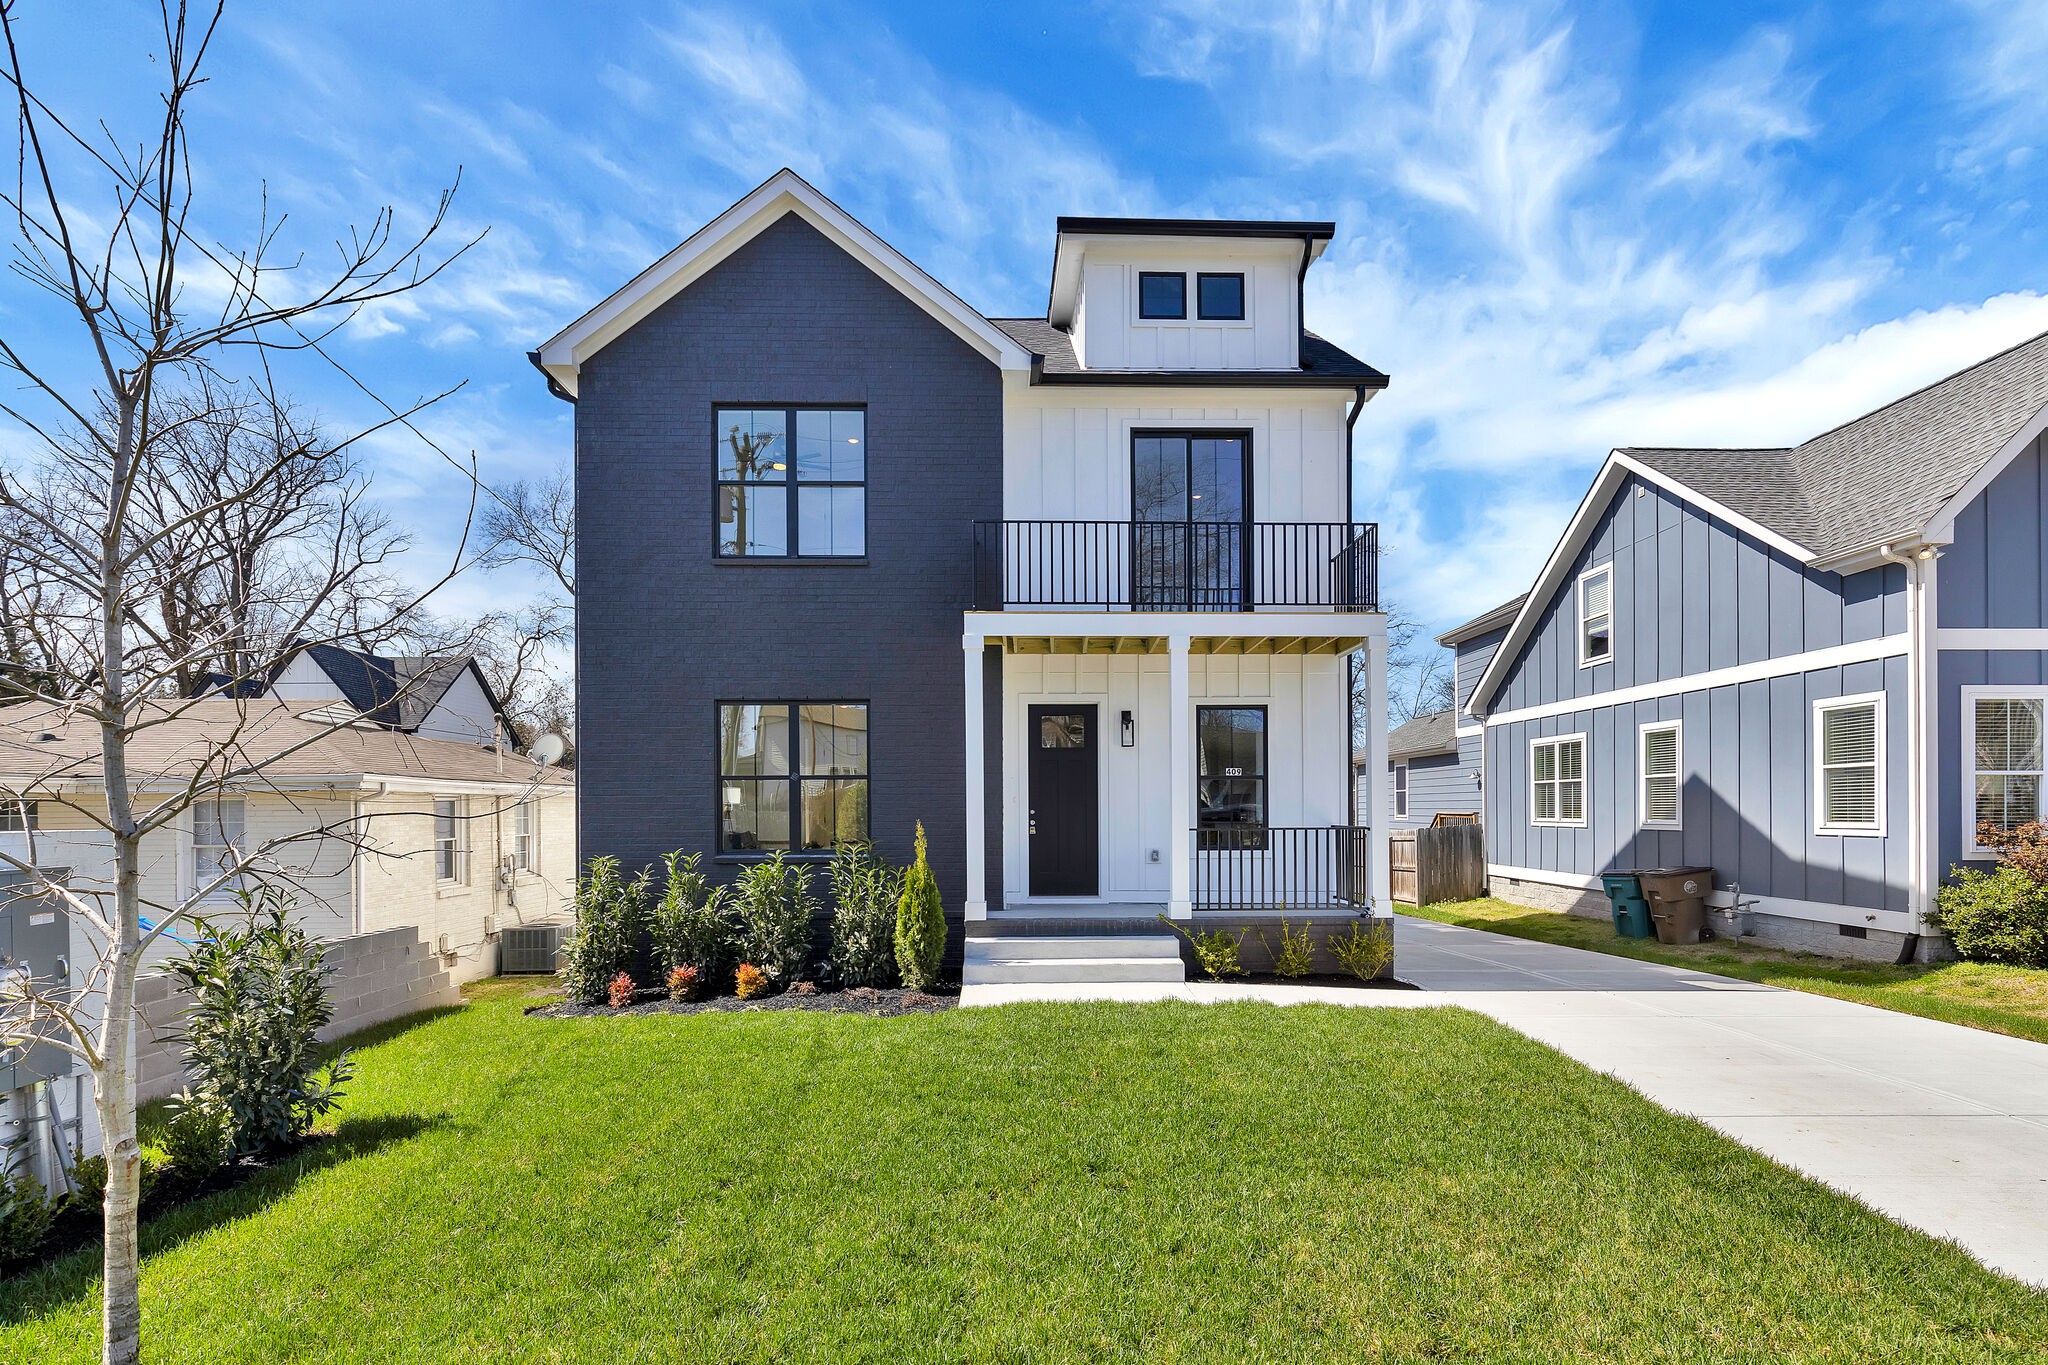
[(1093, 960)]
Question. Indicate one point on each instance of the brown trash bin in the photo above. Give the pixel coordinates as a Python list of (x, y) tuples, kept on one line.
[(1678, 901)]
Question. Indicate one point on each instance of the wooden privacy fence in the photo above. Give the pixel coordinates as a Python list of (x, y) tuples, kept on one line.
[(1441, 863)]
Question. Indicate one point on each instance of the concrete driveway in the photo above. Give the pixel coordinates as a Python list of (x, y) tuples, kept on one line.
[(1941, 1127)]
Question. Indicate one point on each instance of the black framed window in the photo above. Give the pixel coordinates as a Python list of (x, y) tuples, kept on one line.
[(1191, 501), (792, 776), (1162, 294), (791, 481), (1230, 777), (1220, 297)]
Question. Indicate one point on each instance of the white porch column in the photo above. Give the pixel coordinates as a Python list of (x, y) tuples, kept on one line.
[(1379, 881), (1181, 801), (971, 647)]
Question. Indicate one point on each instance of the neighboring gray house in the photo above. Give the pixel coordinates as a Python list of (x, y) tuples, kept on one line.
[(1074, 591), (1423, 773), (1815, 669)]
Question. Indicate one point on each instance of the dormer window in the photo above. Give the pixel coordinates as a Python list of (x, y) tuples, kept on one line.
[(1162, 294), (1220, 297)]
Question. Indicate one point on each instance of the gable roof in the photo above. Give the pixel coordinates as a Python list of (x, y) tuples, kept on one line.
[(562, 355), (1324, 364), (1481, 624), (1895, 476), (1424, 736), (398, 692)]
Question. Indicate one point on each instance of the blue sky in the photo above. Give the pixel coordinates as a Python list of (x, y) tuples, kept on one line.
[(1561, 227)]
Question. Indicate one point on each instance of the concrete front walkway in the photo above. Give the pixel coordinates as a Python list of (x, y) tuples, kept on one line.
[(1941, 1127)]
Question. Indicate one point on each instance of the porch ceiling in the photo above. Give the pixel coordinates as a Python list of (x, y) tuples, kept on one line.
[(1095, 632), (1156, 644)]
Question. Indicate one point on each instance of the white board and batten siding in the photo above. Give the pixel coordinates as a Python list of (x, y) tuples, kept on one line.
[(1109, 334), (1305, 778), (1737, 641)]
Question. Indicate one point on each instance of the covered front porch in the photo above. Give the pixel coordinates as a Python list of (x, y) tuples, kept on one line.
[(1188, 764)]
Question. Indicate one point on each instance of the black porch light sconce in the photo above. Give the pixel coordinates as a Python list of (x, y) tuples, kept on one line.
[(1130, 730)]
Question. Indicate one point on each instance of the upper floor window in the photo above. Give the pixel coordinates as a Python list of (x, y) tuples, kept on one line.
[(1596, 615), (792, 776), (1557, 780), (1220, 297), (1162, 294), (1848, 759), (792, 482), (2004, 749), (1658, 764)]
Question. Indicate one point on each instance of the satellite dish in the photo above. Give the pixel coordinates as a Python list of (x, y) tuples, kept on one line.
[(548, 750)]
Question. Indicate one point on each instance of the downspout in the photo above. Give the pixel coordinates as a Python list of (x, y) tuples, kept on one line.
[(362, 834), (1308, 251), (1916, 874)]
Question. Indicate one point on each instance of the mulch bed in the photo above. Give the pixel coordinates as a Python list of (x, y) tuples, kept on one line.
[(860, 1000), (1385, 983)]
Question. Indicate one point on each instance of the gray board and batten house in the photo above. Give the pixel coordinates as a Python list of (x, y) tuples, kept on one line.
[(1815, 669), (1076, 591)]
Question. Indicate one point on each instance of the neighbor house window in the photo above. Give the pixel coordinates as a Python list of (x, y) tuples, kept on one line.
[(525, 825), (1659, 753), (217, 829), (1219, 297), (1400, 791), (18, 817), (1848, 758), (793, 776), (1162, 294), (2003, 747), (1230, 776), (1557, 780), (792, 481), (1596, 615), (448, 841)]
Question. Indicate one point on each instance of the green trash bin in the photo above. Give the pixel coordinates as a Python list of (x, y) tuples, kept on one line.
[(1625, 899)]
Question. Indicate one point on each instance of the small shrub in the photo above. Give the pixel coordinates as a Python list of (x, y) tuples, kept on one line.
[(25, 1215), (620, 993), (864, 895), (749, 981), (920, 923), (1996, 916), (1216, 950), (197, 1142), (683, 981), (1296, 955), (1363, 952), (774, 903), (611, 916), (259, 999), (2022, 846), (691, 925), (804, 988)]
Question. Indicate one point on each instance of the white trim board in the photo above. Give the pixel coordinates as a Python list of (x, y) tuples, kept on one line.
[(1894, 921), (1991, 638), (1833, 656)]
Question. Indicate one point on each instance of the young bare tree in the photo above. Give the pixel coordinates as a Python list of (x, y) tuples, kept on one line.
[(111, 610), (532, 525)]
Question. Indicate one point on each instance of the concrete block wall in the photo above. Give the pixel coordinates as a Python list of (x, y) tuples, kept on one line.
[(375, 977)]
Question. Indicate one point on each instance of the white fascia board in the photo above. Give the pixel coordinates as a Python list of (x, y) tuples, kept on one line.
[(563, 354), (1941, 529), (1208, 625), (1605, 485)]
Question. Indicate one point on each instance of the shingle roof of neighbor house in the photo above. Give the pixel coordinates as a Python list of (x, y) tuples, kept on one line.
[(1888, 472), (48, 745), (1497, 619), (1436, 733), (397, 691), (1321, 360)]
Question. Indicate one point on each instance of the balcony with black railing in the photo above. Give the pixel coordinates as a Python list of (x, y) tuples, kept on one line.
[(1177, 566)]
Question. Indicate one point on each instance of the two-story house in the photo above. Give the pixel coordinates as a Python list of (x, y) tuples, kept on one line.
[(1077, 591), (1815, 669)]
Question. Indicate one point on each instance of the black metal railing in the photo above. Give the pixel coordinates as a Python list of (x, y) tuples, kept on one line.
[(1319, 867), (1176, 565)]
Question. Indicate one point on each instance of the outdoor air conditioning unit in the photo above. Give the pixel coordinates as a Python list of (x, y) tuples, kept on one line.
[(530, 949)]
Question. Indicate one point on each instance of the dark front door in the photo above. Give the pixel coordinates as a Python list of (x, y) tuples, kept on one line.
[(1064, 844)]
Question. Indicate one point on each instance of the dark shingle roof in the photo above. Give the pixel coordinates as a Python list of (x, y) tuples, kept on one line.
[(1321, 360), (1500, 618), (1886, 473), (397, 692), (1436, 733)]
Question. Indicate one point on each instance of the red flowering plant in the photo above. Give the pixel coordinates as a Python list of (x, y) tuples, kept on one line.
[(2023, 846), (621, 990), (749, 981), (682, 982)]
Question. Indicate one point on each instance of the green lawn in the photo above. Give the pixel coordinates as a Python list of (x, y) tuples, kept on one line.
[(2010, 1000), (1033, 1183)]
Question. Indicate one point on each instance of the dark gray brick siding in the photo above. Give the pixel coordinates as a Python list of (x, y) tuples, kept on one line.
[(664, 632)]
